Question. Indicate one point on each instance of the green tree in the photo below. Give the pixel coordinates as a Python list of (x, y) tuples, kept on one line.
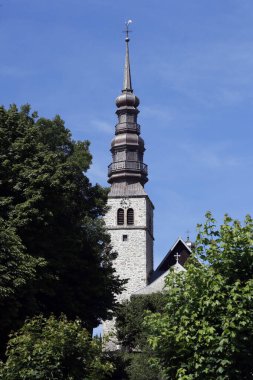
[(54, 349), (57, 215), (132, 335), (206, 328), (18, 272), (129, 319)]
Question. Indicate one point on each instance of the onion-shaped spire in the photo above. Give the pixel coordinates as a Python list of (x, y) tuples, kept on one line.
[(127, 146)]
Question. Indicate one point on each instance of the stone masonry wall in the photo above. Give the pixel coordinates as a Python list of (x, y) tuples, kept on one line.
[(135, 255), (150, 238)]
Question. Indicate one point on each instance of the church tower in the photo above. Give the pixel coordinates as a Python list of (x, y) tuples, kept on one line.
[(129, 219)]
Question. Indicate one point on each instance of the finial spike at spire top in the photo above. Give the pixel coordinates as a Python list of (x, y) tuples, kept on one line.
[(127, 23), (127, 84)]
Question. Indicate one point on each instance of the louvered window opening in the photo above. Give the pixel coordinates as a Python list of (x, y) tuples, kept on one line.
[(130, 216), (120, 216)]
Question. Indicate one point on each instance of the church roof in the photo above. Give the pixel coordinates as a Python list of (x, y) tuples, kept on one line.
[(178, 247), (125, 189), (174, 260), (158, 285)]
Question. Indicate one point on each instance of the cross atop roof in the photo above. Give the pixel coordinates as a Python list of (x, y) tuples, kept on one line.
[(177, 257)]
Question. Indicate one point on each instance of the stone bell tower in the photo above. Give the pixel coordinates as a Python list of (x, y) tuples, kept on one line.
[(130, 216)]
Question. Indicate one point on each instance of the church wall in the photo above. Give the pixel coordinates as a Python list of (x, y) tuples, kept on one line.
[(150, 234), (135, 255), (149, 253), (131, 261), (137, 203)]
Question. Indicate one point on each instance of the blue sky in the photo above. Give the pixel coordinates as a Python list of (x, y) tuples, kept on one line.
[(192, 68)]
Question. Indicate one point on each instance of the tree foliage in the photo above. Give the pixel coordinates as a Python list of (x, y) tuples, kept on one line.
[(47, 201), (17, 268), (18, 272), (54, 349), (132, 335), (206, 328), (129, 318)]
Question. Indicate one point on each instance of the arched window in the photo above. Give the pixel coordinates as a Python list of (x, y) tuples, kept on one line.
[(130, 216), (120, 216)]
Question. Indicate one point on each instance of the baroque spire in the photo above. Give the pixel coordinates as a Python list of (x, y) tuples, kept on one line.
[(127, 147)]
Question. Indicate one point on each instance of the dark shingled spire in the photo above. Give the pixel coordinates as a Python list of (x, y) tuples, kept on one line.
[(127, 169), (127, 83)]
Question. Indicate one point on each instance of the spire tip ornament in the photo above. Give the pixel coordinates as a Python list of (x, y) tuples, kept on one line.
[(127, 84), (127, 31)]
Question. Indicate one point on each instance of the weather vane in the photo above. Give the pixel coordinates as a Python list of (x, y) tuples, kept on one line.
[(127, 23)]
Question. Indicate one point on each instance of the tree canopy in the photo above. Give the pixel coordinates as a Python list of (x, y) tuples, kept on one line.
[(54, 349), (135, 351), (18, 272), (53, 216), (129, 319), (206, 327)]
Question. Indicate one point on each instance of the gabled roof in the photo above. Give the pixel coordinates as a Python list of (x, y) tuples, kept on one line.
[(168, 264), (158, 285), (169, 260), (176, 245)]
